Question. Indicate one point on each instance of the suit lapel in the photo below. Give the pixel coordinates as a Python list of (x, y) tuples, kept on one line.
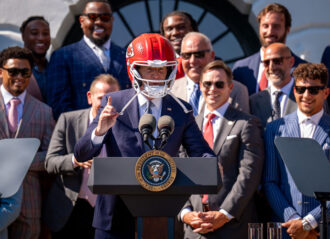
[(89, 55), (266, 105), (83, 122), (322, 130), (227, 124), (291, 105), (3, 119), (27, 116), (292, 126)]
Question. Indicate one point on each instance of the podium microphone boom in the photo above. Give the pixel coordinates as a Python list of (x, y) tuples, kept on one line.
[(147, 125), (165, 127)]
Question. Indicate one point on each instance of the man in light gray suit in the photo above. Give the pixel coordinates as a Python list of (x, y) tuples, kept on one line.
[(236, 139), (197, 52), (278, 63), (67, 213)]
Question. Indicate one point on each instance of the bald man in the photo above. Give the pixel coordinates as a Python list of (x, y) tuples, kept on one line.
[(196, 53), (266, 105)]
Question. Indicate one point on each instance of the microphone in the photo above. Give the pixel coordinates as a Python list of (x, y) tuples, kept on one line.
[(165, 127), (147, 125)]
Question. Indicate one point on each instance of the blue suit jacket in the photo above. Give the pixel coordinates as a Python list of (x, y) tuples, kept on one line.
[(124, 140), (326, 61), (280, 189), (72, 69), (246, 70)]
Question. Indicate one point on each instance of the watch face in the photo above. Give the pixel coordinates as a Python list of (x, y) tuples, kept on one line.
[(306, 225)]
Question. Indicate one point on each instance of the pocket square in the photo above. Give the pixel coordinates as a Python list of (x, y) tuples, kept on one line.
[(231, 137)]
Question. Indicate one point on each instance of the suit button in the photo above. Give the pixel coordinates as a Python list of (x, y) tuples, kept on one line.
[(299, 202), (83, 84)]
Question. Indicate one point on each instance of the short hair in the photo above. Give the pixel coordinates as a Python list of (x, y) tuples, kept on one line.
[(15, 52), (276, 8), (105, 78), (217, 65), (311, 71), (102, 1), (203, 36), (183, 14), (30, 19)]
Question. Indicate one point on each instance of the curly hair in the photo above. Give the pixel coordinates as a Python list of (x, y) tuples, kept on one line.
[(15, 52), (311, 71), (183, 14)]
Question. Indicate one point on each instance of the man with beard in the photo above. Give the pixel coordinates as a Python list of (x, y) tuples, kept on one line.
[(274, 25), (36, 37), (278, 99), (72, 68)]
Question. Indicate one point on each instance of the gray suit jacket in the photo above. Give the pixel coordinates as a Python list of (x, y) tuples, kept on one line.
[(261, 106), (240, 151), (64, 192), (238, 97)]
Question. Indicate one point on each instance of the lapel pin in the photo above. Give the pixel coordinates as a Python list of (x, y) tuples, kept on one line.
[(169, 109)]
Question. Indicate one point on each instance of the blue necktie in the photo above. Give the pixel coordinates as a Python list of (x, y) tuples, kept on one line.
[(194, 98)]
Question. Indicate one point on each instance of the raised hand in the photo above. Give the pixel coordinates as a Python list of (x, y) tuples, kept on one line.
[(107, 118)]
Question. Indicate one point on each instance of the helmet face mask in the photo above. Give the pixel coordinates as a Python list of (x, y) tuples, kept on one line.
[(151, 50)]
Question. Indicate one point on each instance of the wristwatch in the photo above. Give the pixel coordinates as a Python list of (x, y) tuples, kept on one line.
[(306, 225)]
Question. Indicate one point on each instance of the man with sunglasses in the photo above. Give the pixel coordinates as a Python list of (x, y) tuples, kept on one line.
[(274, 25), (23, 116), (197, 52), (300, 213), (236, 139), (278, 99), (72, 68)]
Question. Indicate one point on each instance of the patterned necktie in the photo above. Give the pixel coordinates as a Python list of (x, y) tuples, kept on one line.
[(103, 57), (277, 105), (194, 98), (148, 110), (208, 130), (13, 114), (263, 81)]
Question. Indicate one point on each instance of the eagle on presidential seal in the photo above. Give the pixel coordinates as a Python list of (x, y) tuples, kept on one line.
[(156, 171)]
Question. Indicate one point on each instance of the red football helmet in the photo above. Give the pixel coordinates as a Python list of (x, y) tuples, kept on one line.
[(151, 49)]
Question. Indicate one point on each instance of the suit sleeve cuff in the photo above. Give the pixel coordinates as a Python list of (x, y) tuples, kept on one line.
[(294, 217), (96, 140), (226, 214), (311, 220), (184, 212)]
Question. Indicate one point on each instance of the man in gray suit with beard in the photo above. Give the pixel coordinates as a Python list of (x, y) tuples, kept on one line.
[(236, 139), (70, 205)]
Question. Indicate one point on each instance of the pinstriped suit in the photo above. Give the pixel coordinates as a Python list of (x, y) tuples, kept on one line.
[(37, 122), (280, 189)]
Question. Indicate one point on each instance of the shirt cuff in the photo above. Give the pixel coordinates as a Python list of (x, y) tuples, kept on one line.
[(311, 220), (73, 162), (96, 140), (226, 214), (184, 212)]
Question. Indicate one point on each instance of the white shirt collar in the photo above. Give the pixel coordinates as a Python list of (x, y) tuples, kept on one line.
[(285, 89), (143, 100), (261, 54), (92, 45), (190, 82), (7, 96), (315, 118), (219, 112)]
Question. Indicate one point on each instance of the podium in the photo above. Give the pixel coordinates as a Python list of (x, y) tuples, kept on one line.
[(116, 175), (302, 156)]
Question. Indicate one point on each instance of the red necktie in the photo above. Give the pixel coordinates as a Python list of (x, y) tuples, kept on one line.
[(263, 81), (208, 130)]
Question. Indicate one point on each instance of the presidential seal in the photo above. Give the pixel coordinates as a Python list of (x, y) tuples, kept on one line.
[(155, 170)]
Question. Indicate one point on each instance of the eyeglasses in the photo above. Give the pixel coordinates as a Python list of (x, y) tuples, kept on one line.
[(25, 72), (277, 61), (313, 90), (197, 54), (218, 84), (104, 17)]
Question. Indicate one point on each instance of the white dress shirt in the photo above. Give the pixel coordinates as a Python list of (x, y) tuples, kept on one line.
[(96, 49), (8, 96), (284, 97)]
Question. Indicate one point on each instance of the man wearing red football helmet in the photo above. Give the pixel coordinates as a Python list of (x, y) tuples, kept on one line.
[(151, 67)]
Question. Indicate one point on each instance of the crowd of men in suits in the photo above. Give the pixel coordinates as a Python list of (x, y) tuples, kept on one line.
[(232, 114)]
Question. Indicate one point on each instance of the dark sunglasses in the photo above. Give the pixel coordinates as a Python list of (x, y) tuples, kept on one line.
[(25, 72), (197, 54), (104, 17), (313, 90), (218, 84), (276, 61)]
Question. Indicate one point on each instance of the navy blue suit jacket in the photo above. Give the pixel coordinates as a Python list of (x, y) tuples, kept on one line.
[(246, 70), (72, 69), (124, 140), (281, 191), (326, 61)]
